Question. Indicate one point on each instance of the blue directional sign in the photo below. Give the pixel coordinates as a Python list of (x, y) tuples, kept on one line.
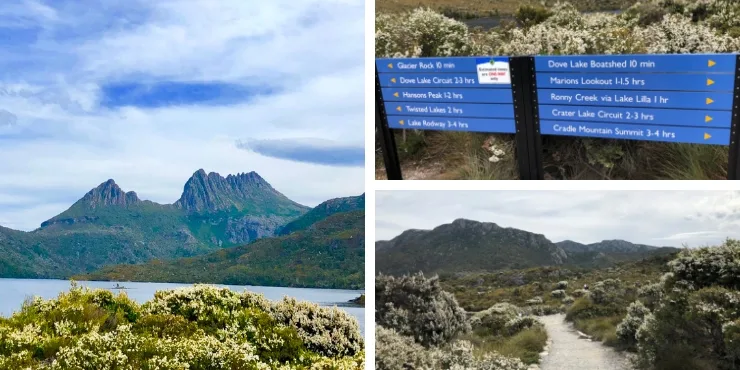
[(435, 80), (500, 65), (453, 124), (647, 99), (450, 110), (686, 98), (631, 81), (480, 95), (669, 117), (665, 63), (694, 135), (454, 94)]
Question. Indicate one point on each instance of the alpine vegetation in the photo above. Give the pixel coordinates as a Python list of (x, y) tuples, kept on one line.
[(202, 327), (421, 326)]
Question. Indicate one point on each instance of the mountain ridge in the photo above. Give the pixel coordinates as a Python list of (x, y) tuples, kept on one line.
[(108, 226), (468, 245)]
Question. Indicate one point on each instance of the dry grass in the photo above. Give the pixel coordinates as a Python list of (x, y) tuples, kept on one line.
[(466, 9), (461, 8)]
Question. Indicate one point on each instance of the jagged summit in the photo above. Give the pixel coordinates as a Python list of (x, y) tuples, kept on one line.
[(109, 194), (213, 192)]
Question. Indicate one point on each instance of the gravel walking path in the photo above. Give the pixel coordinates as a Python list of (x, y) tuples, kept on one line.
[(569, 350)]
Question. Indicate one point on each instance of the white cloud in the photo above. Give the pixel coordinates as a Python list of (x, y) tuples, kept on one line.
[(671, 218), (64, 142)]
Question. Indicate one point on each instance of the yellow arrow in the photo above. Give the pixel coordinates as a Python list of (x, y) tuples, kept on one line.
[(707, 118), (390, 65), (395, 94), (711, 63), (710, 101), (401, 122), (393, 80), (707, 136), (709, 81), (398, 109)]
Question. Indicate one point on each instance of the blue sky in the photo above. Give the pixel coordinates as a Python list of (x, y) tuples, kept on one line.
[(660, 218), (147, 92)]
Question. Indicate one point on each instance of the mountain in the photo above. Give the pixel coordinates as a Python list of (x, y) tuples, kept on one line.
[(609, 252), (110, 226), (330, 253), (465, 245), (469, 246), (324, 210)]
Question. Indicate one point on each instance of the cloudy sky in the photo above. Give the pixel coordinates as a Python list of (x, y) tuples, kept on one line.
[(147, 92), (662, 218)]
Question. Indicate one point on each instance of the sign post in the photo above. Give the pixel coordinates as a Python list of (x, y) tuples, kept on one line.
[(733, 170), (470, 94), (387, 141), (679, 98)]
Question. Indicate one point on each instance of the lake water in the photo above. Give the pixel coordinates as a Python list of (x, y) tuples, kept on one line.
[(14, 291)]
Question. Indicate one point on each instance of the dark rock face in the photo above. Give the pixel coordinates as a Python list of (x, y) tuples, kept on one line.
[(109, 194), (248, 229), (213, 192)]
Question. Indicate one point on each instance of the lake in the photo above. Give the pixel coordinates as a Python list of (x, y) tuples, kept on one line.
[(14, 291)]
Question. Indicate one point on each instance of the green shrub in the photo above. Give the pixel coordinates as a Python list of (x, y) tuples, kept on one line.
[(394, 351), (518, 324), (708, 266), (558, 294), (527, 15), (416, 306), (493, 320), (627, 329)]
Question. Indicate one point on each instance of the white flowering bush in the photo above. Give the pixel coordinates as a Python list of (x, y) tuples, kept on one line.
[(460, 357), (627, 329), (421, 33), (578, 293), (709, 266), (520, 323), (651, 294), (694, 323), (202, 327), (605, 290), (418, 307), (541, 310), (534, 301), (568, 300), (394, 351), (561, 285), (492, 321), (558, 293)]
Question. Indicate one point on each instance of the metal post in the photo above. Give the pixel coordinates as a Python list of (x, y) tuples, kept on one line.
[(533, 119), (733, 168), (387, 141), (518, 88)]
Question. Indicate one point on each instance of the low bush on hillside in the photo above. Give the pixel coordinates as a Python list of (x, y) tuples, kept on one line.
[(417, 306), (421, 326), (694, 322), (202, 327)]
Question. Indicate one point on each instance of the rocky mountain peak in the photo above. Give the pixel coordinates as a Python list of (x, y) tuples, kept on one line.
[(213, 192), (109, 194)]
